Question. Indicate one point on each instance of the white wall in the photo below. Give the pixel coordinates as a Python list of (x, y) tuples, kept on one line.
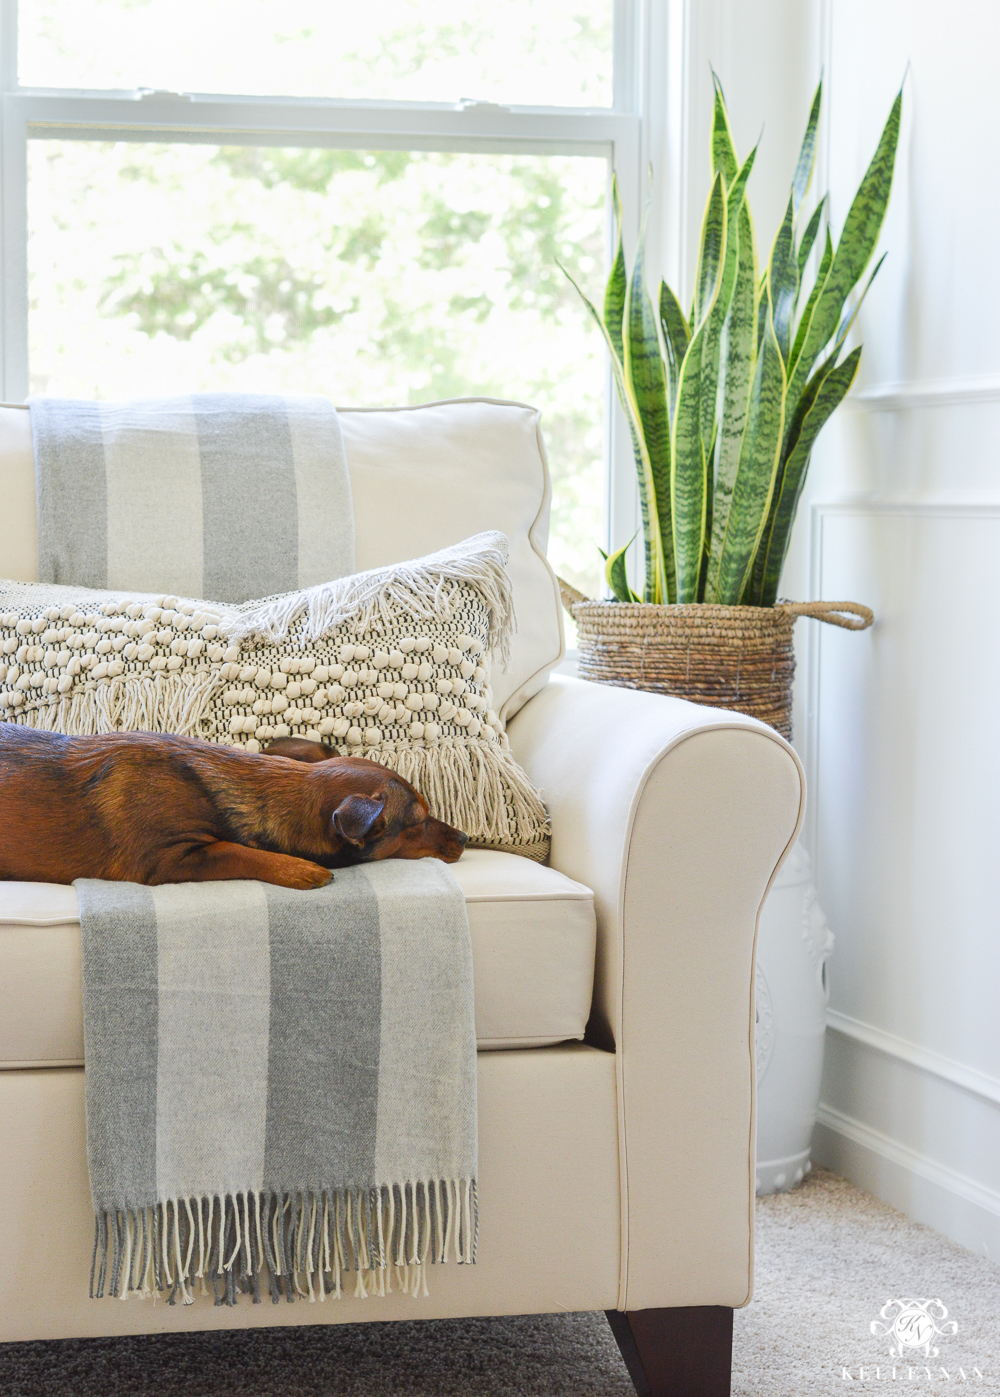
[(900, 727)]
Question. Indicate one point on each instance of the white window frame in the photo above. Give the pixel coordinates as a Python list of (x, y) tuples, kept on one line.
[(621, 134)]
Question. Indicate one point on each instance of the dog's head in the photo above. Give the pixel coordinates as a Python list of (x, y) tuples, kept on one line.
[(377, 814)]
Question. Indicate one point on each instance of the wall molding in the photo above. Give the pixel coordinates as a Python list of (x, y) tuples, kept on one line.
[(931, 506), (929, 1192), (928, 392), (913, 1161), (969, 1079)]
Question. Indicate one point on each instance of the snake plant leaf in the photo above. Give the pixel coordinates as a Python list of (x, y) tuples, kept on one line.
[(740, 351), (797, 413), (783, 278), (857, 243), (724, 161), (802, 178), (852, 315), (809, 237), (714, 364), (614, 293), (644, 372), (614, 573), (688, 460), (710, 252), (656, 579), (760, 454), (822, 272), (831, 394), (688, 473), (676, 337)]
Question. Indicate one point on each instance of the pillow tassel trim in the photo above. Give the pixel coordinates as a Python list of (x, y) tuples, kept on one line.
[(175, 703), (427, 589), (479, 785)]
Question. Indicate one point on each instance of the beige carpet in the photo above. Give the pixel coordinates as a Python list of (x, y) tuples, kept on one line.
[(828, 1258)]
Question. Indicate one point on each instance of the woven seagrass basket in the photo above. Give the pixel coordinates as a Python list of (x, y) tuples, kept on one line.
[(735, 657)]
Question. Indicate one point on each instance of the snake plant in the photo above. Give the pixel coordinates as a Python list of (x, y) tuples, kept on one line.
[(725, 403)]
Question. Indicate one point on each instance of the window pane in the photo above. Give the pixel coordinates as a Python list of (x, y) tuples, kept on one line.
[(374, 277), (511, 51)]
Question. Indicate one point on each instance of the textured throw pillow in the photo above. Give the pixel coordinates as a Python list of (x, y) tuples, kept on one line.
[(392, 664)]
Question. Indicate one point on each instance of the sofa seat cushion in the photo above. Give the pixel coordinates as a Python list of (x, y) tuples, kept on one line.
[(533, 942)]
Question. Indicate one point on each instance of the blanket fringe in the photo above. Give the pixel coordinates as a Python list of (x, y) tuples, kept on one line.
[(426, 589), (306, 1244)]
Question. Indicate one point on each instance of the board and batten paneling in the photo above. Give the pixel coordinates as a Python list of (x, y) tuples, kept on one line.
[(900, 727)]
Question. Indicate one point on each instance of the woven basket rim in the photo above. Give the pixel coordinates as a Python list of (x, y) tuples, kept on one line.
[(695, 608)]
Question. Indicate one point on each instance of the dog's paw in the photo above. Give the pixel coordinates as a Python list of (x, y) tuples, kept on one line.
[(304, 874)]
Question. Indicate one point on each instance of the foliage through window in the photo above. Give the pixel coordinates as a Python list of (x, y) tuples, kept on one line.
[(374, 274)]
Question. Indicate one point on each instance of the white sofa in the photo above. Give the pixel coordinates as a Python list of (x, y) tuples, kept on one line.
[(614, 987)]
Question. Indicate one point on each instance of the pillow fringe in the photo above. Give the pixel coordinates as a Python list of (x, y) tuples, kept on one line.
[(169, 703), (474, 785)]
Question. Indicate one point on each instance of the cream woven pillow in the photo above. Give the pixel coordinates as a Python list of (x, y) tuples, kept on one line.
[(392, 664)]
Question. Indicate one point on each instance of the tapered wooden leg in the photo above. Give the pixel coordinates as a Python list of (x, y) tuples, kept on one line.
[(684, 1352)]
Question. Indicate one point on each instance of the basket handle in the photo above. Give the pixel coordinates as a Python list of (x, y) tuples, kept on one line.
[(835, 613), (570, 596)]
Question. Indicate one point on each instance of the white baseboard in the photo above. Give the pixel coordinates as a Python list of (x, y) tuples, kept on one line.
[(925, 1190)]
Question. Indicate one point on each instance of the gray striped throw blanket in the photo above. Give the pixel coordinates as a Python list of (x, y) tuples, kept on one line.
[(281, 1086), (220, 495)]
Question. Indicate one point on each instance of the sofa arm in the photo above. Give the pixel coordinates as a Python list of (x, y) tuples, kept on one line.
[(678, 817)]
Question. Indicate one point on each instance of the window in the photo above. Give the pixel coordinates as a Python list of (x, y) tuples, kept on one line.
[(378, 214)]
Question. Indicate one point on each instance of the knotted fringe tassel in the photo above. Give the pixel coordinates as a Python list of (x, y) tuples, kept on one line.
[(475, 785), (426, 589), (305, 1244), (174, 703)]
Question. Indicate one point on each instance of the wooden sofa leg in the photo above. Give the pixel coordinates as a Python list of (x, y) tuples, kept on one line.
[(683, 1352)]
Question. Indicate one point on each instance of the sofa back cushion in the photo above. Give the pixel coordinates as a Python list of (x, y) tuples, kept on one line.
[(422, 478)]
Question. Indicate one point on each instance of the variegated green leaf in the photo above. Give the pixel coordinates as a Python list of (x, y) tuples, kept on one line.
[(796, 413), (739, 353), (688, 473), (783, 279), (615, 576), (710, 251), (760, 454), (822, 272), (852, 315), (713, 363), (656, 579), (645, 375), (614, 294), (854, 250), (807, 153), (809, 237), (724, 161), (831, 394), (676, 337)]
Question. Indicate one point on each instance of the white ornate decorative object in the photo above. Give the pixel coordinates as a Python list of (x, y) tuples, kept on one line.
[(794, 943)]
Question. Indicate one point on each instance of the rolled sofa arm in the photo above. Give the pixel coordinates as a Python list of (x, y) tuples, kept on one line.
[(678, 817)]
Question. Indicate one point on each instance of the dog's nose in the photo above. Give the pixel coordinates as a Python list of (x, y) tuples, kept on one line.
[(462, 837)]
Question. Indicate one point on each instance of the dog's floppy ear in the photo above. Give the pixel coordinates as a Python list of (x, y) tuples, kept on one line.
[(354, 817)]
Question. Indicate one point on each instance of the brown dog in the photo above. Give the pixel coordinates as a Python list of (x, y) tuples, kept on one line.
[(146, 808)]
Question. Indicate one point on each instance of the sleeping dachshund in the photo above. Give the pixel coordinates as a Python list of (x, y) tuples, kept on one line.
[(146, 808)]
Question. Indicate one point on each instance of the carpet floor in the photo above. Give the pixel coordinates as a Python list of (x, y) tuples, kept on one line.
[(829, 1257)]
